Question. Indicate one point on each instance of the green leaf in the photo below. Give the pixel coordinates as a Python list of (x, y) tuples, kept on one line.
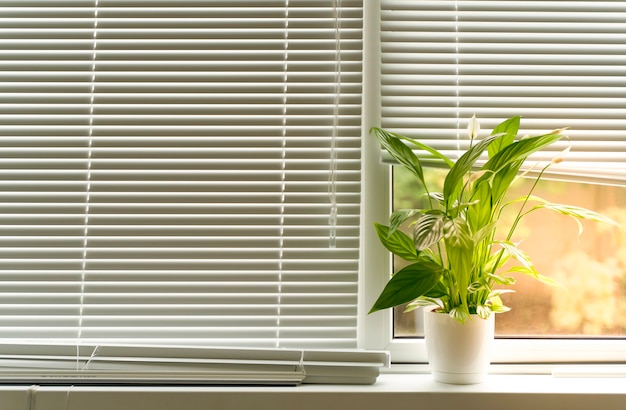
[(460, 313), (483, 311), (399, 217), (477, 287), (460, 252), (426, 148), (398, 150), (454, 180), (437, 196), (500, 258), (408, 284), (503, 179), (502, 280), (496, 305), (423, 302), (507, 161), (520, 255), (437, 291), (518, 151), (533, 273), (485, 232), (508, 130), (527, 267), (429, 229), (496, 308), (577, 213), (495, 293), (397, 243), (457, 233), (479, 213)]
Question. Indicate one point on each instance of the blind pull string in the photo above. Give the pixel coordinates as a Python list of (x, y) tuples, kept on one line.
[(31, 398), (93, 354), (67, 396), (88, 187), (332, 174), (457, 78), (283, 174)]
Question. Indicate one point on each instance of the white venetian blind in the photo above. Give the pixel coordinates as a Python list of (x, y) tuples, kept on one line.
[(555, 63), (186, 197)]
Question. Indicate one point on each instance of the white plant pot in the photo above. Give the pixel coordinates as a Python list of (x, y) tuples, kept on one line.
[(458, 353)]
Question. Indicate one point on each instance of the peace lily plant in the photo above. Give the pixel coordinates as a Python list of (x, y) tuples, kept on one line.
[(460, 245)]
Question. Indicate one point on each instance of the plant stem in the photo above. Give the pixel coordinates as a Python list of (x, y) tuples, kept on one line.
[(519, 214), (518, 218)]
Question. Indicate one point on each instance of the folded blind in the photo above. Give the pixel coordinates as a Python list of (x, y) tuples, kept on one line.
[(126, 364), (164, 171), (555, 63)]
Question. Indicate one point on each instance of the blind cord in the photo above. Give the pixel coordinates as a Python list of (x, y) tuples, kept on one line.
[(67, 396), (32, 397), (88, 187), (457, 78), (283, 174), (332, 174)]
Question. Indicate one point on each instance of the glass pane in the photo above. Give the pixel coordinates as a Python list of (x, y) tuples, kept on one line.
[(591, 301)]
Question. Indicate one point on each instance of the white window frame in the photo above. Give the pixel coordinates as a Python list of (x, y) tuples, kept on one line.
[(376, 330)]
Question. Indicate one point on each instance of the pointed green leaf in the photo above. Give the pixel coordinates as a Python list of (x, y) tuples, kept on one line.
[(460, 252), (479, 214), (408, 284), (508, 131), (533, 273), (454, 180), (496, 305), (497, 292), (457, 234), (398, 150), (495, 308), (578, 213), (477, 287), (423, 302), (437, 291), (527, 267), (429, 229), (480, 284), (459, 313), (500, 258), (519, 151), (397, 243), (506, 163), (483, 311), (485, 232), (502, 280), (437, 196), (399, 217), (503, 179), (426, 148), (520, 255)]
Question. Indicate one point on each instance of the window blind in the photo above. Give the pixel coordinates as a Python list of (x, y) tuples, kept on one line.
[(555, 63), (189, 365), (165, 172)]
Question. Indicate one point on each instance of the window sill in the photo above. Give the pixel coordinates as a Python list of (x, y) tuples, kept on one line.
[(415, 391)]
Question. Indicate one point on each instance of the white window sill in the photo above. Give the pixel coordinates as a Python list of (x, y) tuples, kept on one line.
[(392, 391)]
